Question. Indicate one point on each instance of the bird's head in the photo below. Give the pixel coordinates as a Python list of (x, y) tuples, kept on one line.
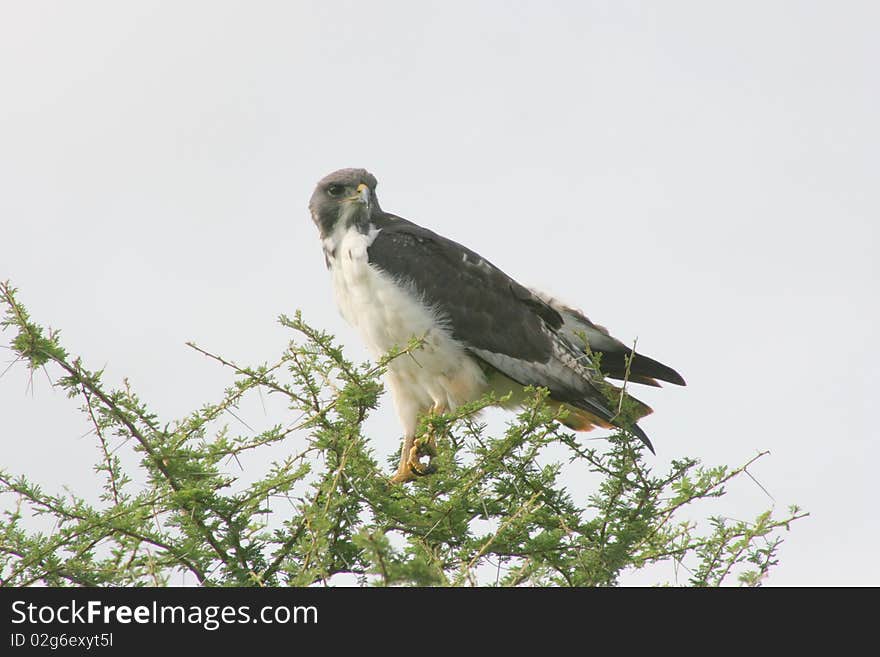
[(344, 198)]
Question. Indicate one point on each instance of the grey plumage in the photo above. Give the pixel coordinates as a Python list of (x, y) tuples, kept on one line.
[(526, 336)]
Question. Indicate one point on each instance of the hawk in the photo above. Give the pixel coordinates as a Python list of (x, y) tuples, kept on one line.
[(480, 330)]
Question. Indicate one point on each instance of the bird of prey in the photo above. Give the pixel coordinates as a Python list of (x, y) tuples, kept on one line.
[(480, 330)]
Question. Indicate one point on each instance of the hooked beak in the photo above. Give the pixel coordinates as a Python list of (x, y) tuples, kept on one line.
[(362, 195)]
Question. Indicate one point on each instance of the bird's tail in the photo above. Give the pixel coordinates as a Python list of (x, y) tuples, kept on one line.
[(584, 416)]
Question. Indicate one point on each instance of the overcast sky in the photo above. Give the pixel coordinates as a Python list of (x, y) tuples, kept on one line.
[(702, 176)]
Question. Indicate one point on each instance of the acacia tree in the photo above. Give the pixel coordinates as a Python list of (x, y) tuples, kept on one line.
[(496, 512)]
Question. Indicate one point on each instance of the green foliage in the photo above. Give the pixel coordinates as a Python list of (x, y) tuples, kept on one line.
[(497, 512)]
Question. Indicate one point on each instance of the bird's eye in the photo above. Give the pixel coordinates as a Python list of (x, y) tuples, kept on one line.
[(335, 190)]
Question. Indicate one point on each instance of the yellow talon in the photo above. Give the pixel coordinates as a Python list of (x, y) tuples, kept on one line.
[(411, 466)]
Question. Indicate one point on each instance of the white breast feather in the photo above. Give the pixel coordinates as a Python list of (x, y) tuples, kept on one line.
[(388, 313)]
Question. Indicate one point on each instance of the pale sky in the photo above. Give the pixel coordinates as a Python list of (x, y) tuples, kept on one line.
[(702, 176)]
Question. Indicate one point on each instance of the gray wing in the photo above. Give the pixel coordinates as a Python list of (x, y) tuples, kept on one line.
[(498, 320)]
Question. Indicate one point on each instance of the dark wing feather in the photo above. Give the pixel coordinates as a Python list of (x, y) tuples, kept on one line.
[(614, 353), (487, 309), (498, 320)]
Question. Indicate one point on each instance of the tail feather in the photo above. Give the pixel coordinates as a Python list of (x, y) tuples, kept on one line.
[(641, 435), (642, 369), (582, 419), (576, 328)]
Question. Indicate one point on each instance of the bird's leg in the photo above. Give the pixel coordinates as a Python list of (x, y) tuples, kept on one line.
[(413, 450), (411, 466), (429, 443), (405, 471), (426, 446)]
